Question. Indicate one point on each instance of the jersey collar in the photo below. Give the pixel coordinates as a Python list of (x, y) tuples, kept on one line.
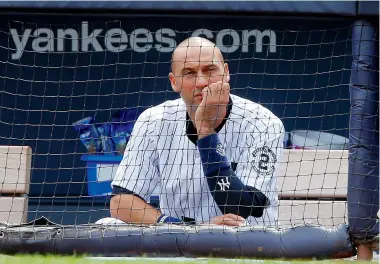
[(191, 131)]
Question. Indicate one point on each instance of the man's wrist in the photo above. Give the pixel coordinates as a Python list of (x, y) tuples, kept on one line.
[(168, 219), (205, 131), (212, 154)]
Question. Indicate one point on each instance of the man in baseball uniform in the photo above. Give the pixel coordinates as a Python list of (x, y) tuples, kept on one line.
[(212, 156)]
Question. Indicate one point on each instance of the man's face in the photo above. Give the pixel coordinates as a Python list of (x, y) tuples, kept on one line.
[(195, 68)]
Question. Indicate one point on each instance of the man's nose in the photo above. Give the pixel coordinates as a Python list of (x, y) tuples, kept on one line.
[(201, 80)]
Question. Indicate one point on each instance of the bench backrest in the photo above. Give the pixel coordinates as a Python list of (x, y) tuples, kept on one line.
[(15, 168), (312, 186)]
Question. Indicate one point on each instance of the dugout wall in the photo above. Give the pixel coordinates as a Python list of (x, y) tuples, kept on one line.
[(75, 79), (294, 59)]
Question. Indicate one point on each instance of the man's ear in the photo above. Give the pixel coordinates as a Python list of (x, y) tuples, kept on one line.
[(226, 74), (173, 82)]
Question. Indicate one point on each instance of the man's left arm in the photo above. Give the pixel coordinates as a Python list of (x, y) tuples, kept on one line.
[(244, 195)]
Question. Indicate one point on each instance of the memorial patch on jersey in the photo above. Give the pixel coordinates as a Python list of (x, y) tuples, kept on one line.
[(264, 160)]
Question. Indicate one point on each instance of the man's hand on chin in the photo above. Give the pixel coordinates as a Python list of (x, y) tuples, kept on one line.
[(212, 108)]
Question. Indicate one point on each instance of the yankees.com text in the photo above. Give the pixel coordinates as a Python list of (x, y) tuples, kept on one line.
[(139, 40)]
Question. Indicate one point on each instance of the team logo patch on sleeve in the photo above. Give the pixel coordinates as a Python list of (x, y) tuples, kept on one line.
[(264, 160), (220, 149), (224, 185)]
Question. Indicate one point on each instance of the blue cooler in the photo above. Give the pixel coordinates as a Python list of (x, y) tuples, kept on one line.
[(101, 169)]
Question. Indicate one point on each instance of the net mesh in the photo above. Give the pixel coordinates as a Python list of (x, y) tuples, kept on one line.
[(56, 74)]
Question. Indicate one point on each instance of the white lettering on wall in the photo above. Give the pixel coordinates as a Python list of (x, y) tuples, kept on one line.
[(139, 40), (116, 40), (63, 34)]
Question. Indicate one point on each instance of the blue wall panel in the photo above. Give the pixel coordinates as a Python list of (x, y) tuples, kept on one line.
[(303, 79)]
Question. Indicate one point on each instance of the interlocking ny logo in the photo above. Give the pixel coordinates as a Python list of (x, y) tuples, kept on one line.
[(224, 185)]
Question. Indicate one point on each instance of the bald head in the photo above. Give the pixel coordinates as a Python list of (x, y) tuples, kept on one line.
[(192, 48), (196, 63)]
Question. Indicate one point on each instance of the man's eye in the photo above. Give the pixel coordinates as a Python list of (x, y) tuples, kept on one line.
[(188, 73)]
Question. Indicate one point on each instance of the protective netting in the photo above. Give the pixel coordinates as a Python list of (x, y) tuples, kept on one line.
[(74, 90)]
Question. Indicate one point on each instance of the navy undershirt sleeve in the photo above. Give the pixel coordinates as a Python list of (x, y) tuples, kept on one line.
[(120, 190), (229, 193)]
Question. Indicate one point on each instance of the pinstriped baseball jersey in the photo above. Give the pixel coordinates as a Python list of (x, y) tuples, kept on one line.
[(162, 155)]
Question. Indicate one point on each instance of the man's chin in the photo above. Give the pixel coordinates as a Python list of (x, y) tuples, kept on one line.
[(192, 106), (196, 101)]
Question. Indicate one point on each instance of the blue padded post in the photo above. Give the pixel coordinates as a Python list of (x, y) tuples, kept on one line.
[(363, 170)]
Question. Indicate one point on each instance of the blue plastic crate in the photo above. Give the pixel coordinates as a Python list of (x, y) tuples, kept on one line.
[(100, 172)]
